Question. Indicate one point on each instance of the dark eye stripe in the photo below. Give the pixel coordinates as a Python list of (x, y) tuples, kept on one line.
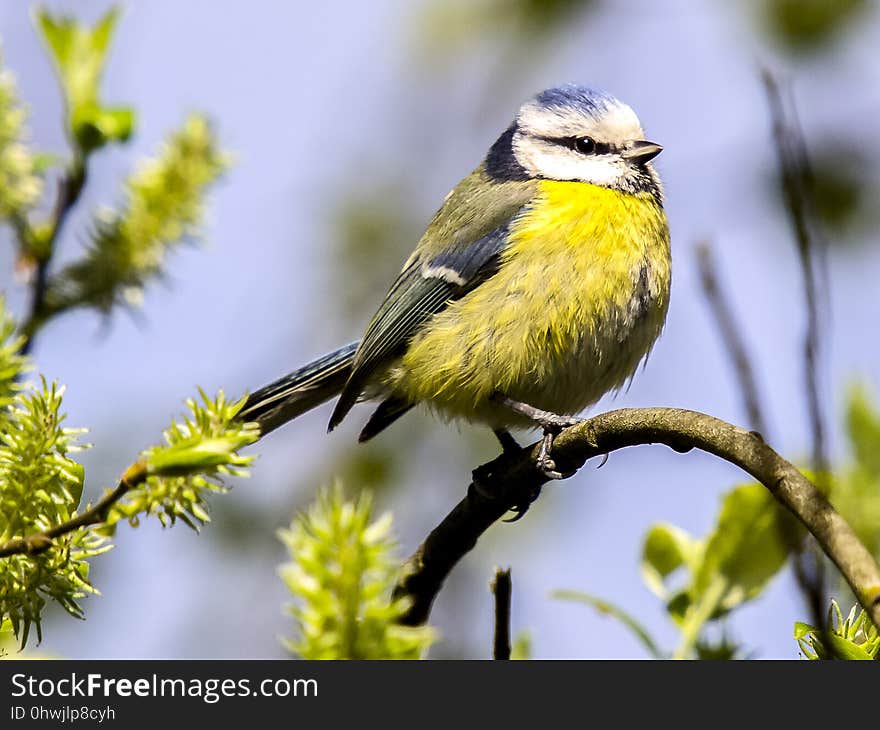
[(576, 144)]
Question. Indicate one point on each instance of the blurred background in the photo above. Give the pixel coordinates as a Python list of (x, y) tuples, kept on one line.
[(348, 123)]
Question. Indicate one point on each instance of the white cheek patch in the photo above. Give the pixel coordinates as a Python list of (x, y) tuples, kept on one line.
[(554, 162)]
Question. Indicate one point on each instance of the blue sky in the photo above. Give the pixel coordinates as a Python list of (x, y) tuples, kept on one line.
[(316, 99)]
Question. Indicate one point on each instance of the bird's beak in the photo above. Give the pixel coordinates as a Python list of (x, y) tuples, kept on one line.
[(640, 150)]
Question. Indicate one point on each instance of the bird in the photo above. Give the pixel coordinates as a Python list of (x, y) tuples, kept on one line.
[(540, 284)]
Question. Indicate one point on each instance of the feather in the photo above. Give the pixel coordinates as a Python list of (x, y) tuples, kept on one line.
[(460, 250)]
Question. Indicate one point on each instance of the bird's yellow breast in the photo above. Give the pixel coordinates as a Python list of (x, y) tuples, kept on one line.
[(578, 301)]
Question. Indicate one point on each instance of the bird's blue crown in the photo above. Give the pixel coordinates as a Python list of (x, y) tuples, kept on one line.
[(581, 98)]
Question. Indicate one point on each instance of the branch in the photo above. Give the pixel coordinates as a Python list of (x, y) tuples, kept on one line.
[(797, 185), (39, 542), (731, 337), (794, 172), (501, 589), (505, 482), (69, 189)]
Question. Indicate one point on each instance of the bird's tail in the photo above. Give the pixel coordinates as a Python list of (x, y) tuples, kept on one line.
[(300, 391)]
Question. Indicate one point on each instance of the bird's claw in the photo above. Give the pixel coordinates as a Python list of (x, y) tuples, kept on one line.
[(545, 463)]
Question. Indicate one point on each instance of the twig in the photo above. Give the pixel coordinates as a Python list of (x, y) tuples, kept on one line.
[(38, 542), (504, 482), (796, 177), (69, 189), (794, 171), (732, 338), (501, 588)]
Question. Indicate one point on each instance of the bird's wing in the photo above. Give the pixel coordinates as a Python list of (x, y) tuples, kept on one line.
[(459, 251)]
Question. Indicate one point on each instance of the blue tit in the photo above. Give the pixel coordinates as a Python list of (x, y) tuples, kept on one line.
[(539, 285)]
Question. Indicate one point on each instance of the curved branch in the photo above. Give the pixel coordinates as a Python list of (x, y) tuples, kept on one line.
[(512, 478)]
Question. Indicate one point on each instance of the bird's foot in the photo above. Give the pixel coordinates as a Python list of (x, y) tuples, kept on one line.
[(551, 423), (482, 477)]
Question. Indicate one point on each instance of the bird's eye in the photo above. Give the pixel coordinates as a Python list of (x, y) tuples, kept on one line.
[(584, 145)]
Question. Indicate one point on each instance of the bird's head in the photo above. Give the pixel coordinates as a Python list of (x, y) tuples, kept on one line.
[(575, 133)]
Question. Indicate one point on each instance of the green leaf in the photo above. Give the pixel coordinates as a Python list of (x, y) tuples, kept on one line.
[(808, 25), (855, 489), (609, 609), (200, 450), (666, 548), (853, 638), (197, 454), (96, 126), (677, 606), (521, 648), (749, 545), (863, 428), (79, 54)]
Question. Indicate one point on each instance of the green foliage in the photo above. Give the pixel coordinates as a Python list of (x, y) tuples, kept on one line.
[(198, 453), (853, 638), (808, 25), (732, 565), (448, 26), (41, 486), (750, 543), (20, 183), (841, 183), (164, 205), (46, 536), (13, 365), (609, 609), (855, 491), (521, 647), (343, 571), (79, 54)]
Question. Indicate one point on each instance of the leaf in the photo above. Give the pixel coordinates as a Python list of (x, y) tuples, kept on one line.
[(863, 428), (749, 545), (855, 489), (521, 648), (95, 126), (609, 609), (666, 548), (79, 54), (846, 649), (853, 638), (807, 25)]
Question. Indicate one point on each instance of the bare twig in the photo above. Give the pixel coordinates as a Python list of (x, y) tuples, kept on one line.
[(38, 542), (501, 588), (797, 184), (69, 188), (732, 338), (794, 172), (506, 481)]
